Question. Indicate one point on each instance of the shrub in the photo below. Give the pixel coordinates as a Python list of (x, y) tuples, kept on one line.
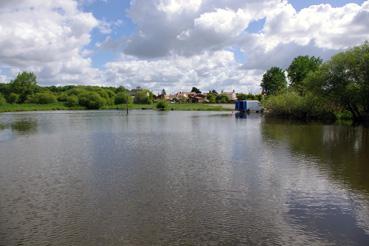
[(222, 98), (162, 105), (2, 99), (292, 105), (143, 97), (212, 98), (63, 97), (72, 101), (91, 100), (13, 98), (122, 97), (43, 98)]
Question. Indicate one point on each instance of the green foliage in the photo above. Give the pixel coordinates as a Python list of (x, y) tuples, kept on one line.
[(25, 85), (222, 98), (241, 96), (292, 105), (143, 97), (2, 99), (91, 100), (13, 98), (122, 98), (42, 98), (162, 105), (71, 101), (274, 81), (344, 81), (195, 90), (300, 67), (212, 98), (62, 97), (4, 89)]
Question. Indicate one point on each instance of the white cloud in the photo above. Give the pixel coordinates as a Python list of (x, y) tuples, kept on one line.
[(47, 37), (178, 43), (207, 71), (326, 26), (190, 27)]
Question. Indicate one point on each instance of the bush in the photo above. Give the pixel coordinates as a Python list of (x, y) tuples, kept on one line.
[(91, 100), (43, 98), (71, 101), (292, 105), (143, 97), (122, 97), (222, 98), (2, 99), (162, 105), (63, 97), (212, 98), (13, 98)]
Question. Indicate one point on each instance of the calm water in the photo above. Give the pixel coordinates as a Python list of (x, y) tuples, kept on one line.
[(180, 178)]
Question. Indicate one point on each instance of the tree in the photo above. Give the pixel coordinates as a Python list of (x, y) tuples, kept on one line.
[(212, 97), (142, 97), (13, 98), (71, 101), (163, 92), (2, 99), (242, 96), (43, 98), (195, 90), (274, 81), (222, 98), (91, 100), (344, 81), (300, 67), (123, 98), (25, 85)]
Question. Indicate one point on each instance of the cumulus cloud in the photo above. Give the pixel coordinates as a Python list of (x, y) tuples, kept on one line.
[(326, 26), (47, 37), (177, 44), (319, 30), (188, 27), (207, 71), (166, 30)]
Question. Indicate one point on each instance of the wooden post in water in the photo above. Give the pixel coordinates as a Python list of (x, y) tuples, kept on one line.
[(127, 103)]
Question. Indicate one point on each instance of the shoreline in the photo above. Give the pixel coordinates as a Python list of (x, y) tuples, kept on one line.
[(12, 108)]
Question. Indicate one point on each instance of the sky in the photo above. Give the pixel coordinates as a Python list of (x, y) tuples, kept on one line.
[(171, 44)]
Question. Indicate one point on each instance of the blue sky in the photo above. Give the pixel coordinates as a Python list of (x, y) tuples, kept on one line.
[(115, 10), (172, 44)]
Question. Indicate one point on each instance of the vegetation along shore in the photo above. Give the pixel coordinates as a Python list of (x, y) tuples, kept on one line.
[(309, 89), (24, 94), (317, 90)]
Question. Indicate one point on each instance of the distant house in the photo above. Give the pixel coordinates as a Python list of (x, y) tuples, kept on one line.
[(182, 96), (232, 96), (199, 98)]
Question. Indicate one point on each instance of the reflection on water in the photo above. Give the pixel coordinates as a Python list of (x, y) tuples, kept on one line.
[(22, 126), (342, 151), (180, 178)]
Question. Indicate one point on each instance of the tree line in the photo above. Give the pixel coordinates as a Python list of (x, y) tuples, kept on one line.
[(311, 89), (24, 89)]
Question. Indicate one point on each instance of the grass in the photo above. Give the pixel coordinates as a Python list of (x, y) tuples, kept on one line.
[(32, 107), (61, 106)]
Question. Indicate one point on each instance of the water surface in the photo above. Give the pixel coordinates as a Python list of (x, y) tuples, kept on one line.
[(180, 178)]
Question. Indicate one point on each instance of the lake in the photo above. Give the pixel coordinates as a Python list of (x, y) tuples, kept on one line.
[(180, 178)]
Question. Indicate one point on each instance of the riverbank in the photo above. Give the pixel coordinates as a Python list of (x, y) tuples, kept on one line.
[(62, 106)]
